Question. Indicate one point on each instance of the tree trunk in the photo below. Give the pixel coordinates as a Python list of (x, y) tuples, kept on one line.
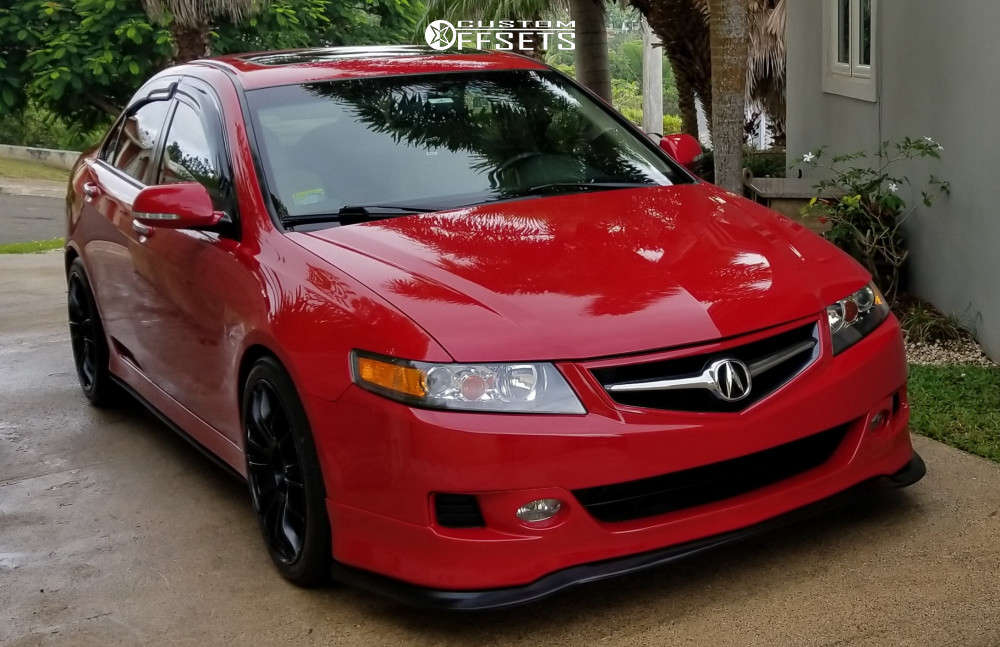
[(686, 103), (190, 41), (652, 81), (591, 46), (730, 40)]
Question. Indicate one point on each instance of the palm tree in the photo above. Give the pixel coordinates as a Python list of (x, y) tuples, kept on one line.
[(191, 21), (729, 33), (766, 62), (592, 68), (683, 26), (591, 54)]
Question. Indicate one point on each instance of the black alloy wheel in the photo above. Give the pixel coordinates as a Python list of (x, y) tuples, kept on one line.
[(286, 486), (83, 333), (275, 473), (90, 347)]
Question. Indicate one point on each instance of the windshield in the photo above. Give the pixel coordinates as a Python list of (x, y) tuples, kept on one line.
[(442, 141)]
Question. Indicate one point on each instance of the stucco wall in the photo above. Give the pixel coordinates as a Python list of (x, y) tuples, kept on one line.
[(939, 75), (815, 118)]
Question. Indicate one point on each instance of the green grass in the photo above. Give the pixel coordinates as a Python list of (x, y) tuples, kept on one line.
[(32, 247), (958, 405), (24, 170)]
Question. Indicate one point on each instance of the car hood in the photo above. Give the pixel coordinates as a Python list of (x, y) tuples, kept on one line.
[(593, 274)]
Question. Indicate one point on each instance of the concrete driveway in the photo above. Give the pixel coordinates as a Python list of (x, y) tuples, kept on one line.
[(115, 531)]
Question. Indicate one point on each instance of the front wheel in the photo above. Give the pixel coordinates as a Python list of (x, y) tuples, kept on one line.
[(283, 473)]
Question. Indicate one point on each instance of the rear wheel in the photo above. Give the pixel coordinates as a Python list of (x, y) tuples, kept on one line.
[(90, 346), (283, 473)]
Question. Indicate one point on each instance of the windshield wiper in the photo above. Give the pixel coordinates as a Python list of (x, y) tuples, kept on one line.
[(582, 186), (357, 212)]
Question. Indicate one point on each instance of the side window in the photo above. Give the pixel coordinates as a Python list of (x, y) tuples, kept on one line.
[(849, 47), (136, 146), (108, 151), (190, 156)]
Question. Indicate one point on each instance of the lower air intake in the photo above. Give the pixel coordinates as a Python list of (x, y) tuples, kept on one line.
[(458, 511), (709, 483)]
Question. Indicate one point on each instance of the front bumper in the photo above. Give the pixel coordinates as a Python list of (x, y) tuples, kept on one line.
[(382, 461), (574, 576)]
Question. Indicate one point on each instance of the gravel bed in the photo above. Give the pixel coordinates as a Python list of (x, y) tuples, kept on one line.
[(966, 351)]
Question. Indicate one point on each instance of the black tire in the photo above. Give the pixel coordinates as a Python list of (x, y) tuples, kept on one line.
[(284, 477), (90, 344)]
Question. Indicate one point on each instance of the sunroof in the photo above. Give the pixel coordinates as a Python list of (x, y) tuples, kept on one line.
[(330, 54)]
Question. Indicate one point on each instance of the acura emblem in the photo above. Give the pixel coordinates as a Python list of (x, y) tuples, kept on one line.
[(731, 379)]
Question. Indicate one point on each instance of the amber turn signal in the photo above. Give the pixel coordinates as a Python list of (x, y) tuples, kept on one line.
[(401, 379)]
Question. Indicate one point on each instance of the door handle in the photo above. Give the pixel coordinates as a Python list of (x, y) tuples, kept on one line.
[(91, 190), (141, 229)]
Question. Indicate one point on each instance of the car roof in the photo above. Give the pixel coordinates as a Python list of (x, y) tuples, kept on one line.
[(267, 69)]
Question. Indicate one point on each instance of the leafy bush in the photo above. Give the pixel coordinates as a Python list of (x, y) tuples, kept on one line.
[(671, 124), (860, 198), (80, 59), (923, 323), (38, 127), (83, 59), (769, 163), (627, 98)]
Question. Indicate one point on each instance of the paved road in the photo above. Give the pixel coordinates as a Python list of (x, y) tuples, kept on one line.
[(114, 531), (24, 218)]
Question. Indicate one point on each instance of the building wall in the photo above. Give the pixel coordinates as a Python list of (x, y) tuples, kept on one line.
[(814, 118), (939, 76)]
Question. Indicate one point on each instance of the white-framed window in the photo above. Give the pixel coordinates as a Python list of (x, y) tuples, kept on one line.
[(849, 40)]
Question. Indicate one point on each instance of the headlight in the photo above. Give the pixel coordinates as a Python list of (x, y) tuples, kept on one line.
[(855, 316), (507, 388)]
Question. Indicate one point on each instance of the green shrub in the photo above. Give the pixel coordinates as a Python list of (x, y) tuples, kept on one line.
[(769, 163), (924, 323), (627, 99), (40, 128), (671, 124), (863, 199)]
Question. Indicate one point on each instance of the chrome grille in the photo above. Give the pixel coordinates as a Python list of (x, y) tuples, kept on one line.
[(693, 382)]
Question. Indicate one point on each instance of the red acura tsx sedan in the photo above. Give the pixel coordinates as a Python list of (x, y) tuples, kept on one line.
[(470, 337)]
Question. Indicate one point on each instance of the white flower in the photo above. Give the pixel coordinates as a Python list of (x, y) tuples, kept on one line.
[(808, 157), (930, 140), (893, 187)]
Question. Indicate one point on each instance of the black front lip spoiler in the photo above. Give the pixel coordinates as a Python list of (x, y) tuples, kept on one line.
[(615, 567)]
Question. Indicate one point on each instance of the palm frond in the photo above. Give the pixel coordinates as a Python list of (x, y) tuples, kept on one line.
[(491, 10), (197, 12), (766, 57)]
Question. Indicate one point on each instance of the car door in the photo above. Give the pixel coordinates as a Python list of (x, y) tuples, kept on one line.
[(193, 279), (109, 184)]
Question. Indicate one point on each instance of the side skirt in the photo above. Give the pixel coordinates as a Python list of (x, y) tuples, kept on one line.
[(177, 430)]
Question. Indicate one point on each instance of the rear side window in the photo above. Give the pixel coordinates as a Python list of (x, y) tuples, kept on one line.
[(191, 156), (137, 136)]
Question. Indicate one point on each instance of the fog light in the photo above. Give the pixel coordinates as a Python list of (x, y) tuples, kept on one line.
[(878, 420), (539, 510)]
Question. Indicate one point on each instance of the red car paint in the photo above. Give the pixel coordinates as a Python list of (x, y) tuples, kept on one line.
[(616, 277)]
